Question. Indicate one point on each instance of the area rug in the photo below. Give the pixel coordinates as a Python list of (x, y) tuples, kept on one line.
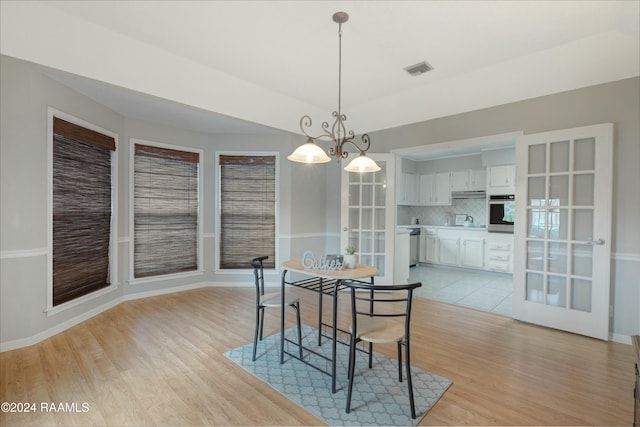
[(378, 398)]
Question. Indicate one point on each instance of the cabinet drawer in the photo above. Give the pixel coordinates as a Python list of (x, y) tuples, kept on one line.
[(502, 267), (499, 256), (500, 247)]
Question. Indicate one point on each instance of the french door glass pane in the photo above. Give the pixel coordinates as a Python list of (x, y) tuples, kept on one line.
[(367, 219), (582, 260), (557, 257), (537, 158), (367, 195), (558, 223), (583, 189), (557, 294), (584, 154), (583, 224), (354, 218), (535, 255), (366, 242), (379, 218), (534, 287), (378, 242), (581, 295), (536, 223), (354, 194), (536, 191), (559, 190), (559, 156)]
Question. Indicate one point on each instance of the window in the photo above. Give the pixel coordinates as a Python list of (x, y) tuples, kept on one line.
[(247, 210), (82, 207), (165, 211)]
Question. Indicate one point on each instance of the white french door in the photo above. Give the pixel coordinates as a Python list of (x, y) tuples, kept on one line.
[(368, 215), (563, 229)]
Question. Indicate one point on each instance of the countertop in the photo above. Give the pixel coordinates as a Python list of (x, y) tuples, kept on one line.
[(445, 227)]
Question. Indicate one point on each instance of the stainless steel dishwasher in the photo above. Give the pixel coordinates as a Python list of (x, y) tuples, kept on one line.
[(414, 246)]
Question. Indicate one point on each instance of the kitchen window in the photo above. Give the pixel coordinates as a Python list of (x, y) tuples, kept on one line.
[(247, 209)]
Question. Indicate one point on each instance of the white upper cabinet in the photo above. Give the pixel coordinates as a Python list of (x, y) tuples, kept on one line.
[(469, 180), (501, 179), (435, 189), (408, 190)]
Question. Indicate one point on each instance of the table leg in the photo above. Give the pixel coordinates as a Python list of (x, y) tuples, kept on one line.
[(334, 335), (320, 313), (282, 312)]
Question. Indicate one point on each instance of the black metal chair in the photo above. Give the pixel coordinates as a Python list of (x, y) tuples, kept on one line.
[(381, 318), (272, 299)]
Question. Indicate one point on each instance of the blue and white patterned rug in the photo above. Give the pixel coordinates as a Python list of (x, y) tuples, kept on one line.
[(378, 398)]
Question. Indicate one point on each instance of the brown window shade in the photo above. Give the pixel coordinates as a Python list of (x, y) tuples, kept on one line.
[(165, 211), (81, 211), (70, 131), (247, 210)]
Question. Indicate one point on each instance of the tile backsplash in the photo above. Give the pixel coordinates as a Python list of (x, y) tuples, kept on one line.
[(435, 215)]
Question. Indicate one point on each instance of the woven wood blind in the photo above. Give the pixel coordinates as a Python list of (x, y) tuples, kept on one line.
[(81, 210), (165, 211), (248, 206)]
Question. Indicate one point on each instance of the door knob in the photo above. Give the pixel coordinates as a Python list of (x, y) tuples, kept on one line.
[(345, 229)]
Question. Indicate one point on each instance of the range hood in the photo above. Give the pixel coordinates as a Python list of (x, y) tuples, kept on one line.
[(469, 194)]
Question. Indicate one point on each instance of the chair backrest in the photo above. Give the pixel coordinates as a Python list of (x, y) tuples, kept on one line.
[(258, 273), (381, 301)]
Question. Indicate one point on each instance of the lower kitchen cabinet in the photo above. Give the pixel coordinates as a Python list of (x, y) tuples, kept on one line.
[(449, 250), (476, 249), (429, 245), (472, 252), (499, 253)]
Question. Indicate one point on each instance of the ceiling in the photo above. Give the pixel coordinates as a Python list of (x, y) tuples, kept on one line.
[(243, 66)]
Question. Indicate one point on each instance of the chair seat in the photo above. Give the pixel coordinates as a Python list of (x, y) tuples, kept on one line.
[(379, 330), (273, 299)]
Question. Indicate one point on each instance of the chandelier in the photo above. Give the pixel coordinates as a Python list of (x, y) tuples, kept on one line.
[(310, 152)]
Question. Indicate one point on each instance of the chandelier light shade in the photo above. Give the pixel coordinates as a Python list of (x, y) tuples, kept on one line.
[(310, 152), (362, 164)]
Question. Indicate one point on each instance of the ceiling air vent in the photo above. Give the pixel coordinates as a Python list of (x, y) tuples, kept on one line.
[(419, 68)]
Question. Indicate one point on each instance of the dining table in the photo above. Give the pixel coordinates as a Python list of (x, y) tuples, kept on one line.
[(325, 282)]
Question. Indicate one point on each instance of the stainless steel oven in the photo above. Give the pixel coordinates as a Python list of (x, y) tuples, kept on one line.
[(501, 213)]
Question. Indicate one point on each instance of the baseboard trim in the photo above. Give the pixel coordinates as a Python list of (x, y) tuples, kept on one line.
[(48, 333), (61, 327)]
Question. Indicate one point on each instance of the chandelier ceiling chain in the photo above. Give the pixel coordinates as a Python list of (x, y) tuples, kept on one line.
[(337, 132)]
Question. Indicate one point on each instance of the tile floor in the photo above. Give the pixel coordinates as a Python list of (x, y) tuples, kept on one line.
[(476, 289)]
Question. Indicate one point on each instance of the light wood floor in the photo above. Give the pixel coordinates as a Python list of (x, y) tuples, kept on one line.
[(159, 361)]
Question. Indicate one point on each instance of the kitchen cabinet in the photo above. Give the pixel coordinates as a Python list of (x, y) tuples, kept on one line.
[(427, 183), (449, 248), (435, 189), (469, 180), (501, 179), (468, 248), (408, 190), (429, 245), (472, 252), (499, 253)]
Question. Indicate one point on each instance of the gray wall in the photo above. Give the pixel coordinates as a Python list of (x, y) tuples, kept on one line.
[(616, 102), (25, 95), (309, 197)]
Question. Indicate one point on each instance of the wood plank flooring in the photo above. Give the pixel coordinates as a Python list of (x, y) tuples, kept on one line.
[(159, 361)]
